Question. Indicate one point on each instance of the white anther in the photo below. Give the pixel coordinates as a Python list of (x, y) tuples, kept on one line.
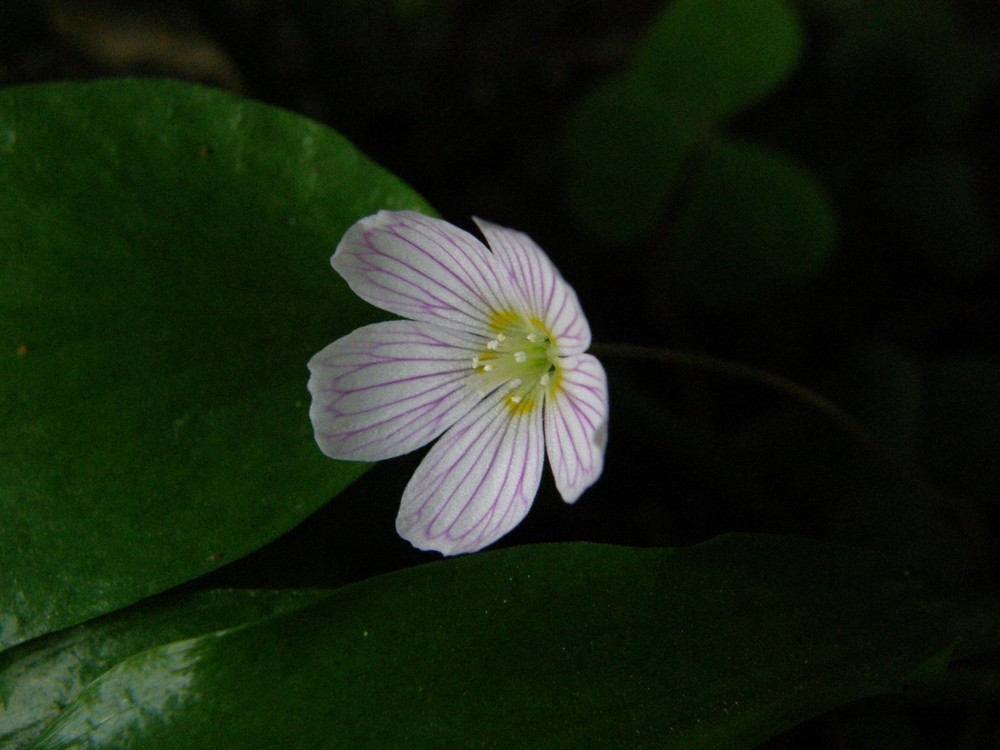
[(500, 337), (475, 362), (520, 357), (487, 368), (532, 337), (492, 346), (544, 380), (515, 399)]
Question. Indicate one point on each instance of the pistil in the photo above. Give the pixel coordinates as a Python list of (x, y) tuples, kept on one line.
[(522, 355)]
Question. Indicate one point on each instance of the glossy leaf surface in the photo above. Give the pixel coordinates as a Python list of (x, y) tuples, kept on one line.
[(557, 646), (164, 278), (38, 679)]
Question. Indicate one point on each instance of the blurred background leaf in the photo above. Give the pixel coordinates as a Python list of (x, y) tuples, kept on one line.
[(754, 222), (629, 145), (559, 646), (164, 278), (631, 141), (719, 56)]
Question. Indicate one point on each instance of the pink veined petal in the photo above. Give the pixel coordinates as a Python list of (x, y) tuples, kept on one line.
[(576, 425), (422, 268), (545, 292), (389, 388), (477, 482)]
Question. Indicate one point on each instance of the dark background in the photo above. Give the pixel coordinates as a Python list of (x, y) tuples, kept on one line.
[(468, 103)]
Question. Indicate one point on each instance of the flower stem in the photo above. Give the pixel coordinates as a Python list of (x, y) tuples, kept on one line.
[(783, 385), (953, 506)]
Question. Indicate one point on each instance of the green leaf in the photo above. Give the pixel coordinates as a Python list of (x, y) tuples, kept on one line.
[(754, 223), (164, 278), (41, 677), (631, 141), (627, 148), (555, 646), (720, 55)]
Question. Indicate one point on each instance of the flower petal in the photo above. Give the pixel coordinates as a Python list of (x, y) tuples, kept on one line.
[(477, 482), (545, 292), (422, 268), (388, 388), (576, 425)]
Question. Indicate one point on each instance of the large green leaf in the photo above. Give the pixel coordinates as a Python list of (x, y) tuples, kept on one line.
[(164, 278), (38, 679), (554, 646)]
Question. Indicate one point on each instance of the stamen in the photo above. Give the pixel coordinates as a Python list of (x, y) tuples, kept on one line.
[(520, 358)]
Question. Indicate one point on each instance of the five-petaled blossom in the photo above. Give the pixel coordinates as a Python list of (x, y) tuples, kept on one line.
[(491, 355)]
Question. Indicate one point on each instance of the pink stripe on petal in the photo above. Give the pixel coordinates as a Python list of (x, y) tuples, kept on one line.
[(576, 425), (477, 482), (389, 388), (544, 292), (422, 268)]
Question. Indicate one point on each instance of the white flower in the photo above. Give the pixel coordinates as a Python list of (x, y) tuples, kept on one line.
[(492, 355)]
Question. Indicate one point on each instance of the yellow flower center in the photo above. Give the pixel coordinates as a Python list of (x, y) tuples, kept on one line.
[(520, 353)]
